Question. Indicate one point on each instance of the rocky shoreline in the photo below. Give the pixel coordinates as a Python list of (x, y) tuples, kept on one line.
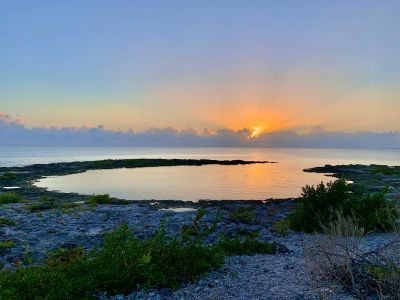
[(24, 177)]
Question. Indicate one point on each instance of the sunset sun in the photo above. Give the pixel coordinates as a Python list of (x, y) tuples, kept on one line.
[(256, 131)]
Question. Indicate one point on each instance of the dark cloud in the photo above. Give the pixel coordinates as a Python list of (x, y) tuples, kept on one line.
[(14, 133)]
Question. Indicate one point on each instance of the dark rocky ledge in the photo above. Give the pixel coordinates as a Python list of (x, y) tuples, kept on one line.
[(374, 178)]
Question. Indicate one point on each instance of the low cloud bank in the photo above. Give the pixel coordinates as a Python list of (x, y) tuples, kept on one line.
[(14, 133)]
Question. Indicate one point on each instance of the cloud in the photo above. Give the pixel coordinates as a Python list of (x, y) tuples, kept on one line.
[(14, 133)]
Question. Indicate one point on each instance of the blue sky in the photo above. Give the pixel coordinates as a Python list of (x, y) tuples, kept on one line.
[(202, 64)]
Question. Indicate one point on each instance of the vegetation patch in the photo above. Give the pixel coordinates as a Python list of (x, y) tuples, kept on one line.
[(45, 204), (338, 256), (7, 244), (320, 205), (6, 222), (244, 214), (8, 176), (281, 227), (124, 262), (99, 199), (386, 170), (10, 197), (248, 233)]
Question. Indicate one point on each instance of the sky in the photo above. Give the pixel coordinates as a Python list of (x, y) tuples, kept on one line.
[(267, 66)]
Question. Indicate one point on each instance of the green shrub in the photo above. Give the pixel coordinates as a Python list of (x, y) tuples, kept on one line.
[(247, 246), (243, 214), (10, 197), (99, 199), (196, 229), (6, 222), (70, 205), (248, 233), (7, 244), (63, 256), (44, 204), (320, 205), (281, 227), (8, 176)]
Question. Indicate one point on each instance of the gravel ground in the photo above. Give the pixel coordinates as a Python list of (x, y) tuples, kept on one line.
[(278, 276)]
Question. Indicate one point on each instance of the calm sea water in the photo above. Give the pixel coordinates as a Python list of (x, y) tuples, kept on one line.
[(259, 181)]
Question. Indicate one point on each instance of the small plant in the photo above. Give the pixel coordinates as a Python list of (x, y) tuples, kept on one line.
[(281, 227), (63, 256), (70, 205), (10, 197), (6, 222), (99, 199), (8, 176), (26, 256), (247, 246), (248, 233), (7, 244), (196, 229), (244, 214), (272, 211), (45, 204)]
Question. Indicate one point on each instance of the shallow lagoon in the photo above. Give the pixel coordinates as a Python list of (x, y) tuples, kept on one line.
[(215, 182)]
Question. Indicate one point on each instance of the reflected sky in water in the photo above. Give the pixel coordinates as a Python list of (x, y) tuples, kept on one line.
[(257, 181)]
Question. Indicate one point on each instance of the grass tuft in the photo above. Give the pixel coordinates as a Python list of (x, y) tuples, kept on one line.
[(6, 222), (10, 197), (244, 214), (7, 244), (8, 176), (99, 199)]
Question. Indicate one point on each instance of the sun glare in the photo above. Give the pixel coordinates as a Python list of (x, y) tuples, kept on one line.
[(256, 131)]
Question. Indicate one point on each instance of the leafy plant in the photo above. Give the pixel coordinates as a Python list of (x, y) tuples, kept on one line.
[(99, 199), (6, 222), (8, 176), (45, 204), (7, 244), (319, 206), (281, 227), (243, 214), (196, 229), (10, 197)]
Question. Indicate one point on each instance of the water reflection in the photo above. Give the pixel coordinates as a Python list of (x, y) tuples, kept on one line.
[(258, 181)]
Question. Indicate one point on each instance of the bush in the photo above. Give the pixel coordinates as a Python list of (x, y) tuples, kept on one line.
[(320, 205), (44, 204), (10, 197), (339, 257), (281, 227), (6, 222), (99, 199), (247, 246), (7, 244), (243, 214), (8, 176)]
